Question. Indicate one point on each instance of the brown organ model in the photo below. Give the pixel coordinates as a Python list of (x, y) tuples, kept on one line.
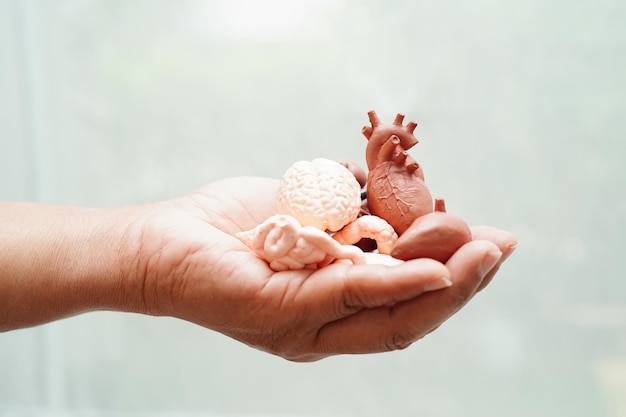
[(396, 192)]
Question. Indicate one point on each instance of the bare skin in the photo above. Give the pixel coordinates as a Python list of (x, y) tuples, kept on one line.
[(180, 258)]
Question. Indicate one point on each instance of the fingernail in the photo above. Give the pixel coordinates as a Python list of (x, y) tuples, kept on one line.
[(509, 251), (489, 261), (442, 282)]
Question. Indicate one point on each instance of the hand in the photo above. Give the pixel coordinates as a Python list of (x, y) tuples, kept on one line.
[(191, 266)]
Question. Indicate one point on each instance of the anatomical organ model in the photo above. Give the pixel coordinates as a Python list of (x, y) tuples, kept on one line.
[(322, 218)]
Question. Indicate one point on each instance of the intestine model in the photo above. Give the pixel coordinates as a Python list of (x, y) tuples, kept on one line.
[(321, 214)]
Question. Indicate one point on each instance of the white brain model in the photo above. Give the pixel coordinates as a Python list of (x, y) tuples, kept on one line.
[(321, 193)]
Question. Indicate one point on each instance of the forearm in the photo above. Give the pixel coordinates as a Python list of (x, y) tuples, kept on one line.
[(57, 261)]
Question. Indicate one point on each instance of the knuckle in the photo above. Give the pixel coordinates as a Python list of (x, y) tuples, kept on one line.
[(291, 346), (461, 298), (399, 341)]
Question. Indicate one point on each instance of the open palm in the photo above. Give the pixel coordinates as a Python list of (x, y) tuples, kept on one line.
[(194, 268)]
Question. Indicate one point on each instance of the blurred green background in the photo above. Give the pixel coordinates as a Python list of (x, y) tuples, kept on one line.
[(521, 112)]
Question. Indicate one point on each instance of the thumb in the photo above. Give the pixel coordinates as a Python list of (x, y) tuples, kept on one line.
[(370, 286)]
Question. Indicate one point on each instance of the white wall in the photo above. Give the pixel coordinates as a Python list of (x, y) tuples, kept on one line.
[(521, 112)]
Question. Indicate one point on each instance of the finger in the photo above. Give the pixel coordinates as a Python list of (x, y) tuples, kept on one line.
[(369, 286), (473, 262), (396, 327), (341, 290), (506, 241), (468, 267)]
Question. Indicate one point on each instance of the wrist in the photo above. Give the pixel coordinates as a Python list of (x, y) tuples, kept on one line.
[(109, 250), (58, 261)]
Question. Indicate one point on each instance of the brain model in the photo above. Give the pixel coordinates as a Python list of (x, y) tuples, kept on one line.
[(321, 193)]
